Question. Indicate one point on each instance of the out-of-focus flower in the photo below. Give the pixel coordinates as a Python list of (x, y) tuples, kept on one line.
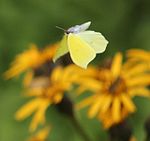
[(28, 78), (41, 135), (133, 138), (30, 59), (138, 56), (114, 89), (46, 91), (37, 106)]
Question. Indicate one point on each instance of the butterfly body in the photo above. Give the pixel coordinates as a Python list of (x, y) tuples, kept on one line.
[(82, 44)]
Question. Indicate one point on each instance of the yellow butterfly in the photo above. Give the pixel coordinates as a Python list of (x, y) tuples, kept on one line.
[(81, 44)]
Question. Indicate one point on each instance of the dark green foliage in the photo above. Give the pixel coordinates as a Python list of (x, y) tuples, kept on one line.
[(125, 23)]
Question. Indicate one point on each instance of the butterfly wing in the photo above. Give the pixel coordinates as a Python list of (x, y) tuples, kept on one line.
[(95, 39), (62, 49), (81, 53), (79, 28), (85, 26)]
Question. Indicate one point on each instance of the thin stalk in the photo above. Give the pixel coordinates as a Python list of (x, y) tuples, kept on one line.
[(79, 129), (66, 107)]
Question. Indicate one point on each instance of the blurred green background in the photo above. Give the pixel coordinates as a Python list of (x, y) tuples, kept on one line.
[(124, 23)]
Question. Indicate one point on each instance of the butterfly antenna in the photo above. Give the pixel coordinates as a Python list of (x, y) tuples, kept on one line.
[(61, 28)]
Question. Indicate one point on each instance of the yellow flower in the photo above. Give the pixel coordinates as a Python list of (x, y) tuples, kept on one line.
[(46, 91), (138, 56), (41, 135), (37, 105), (28, 78), (48, 52), (30, 59), (114, 89)]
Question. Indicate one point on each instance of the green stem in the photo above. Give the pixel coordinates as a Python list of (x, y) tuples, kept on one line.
[(66, 107), (79, 129)]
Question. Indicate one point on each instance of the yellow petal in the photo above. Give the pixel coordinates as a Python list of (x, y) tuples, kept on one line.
[(116, 65), (95, 107), (34, 91), (90, 84), (71, 73), (49, 52), (116, 107), (41, 135), (58, 97), (14, 71), (136, 70), (127, 102), (139, 91), (107, 119), (39, 117), (129, 64), (107, 100), (86, 102), (28, 78), (56, 74), (142, 80), (138, 53), (23, 62), (27, 109)]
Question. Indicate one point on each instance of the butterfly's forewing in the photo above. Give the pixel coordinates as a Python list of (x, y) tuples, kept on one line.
[(84, 26), (95, 39), (81, 53), (79, 28), (62, 49)]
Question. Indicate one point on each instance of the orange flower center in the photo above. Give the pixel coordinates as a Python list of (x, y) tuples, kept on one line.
[(118, 86), (114, 87)]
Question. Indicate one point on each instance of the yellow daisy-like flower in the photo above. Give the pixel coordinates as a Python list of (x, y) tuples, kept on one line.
[(113, 90), (40, 135), (37, 105), (30, 59), (46, 91), (138, 56)]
